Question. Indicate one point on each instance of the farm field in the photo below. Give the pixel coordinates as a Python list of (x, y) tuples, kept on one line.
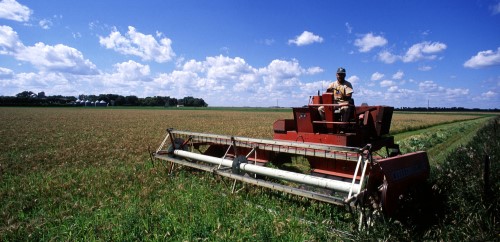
[(76, 173)]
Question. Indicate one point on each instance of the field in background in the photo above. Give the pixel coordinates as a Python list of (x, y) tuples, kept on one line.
[(69, 173)]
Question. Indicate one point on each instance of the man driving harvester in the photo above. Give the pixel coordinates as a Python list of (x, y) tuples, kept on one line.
[(342, 94)]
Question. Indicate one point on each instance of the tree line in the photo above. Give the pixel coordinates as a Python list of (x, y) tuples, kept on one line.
[(29, 98)]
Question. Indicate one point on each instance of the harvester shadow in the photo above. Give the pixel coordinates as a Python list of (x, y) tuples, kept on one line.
[(421, 208)]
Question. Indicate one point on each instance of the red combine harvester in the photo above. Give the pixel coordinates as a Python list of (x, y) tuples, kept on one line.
[(343, 167)]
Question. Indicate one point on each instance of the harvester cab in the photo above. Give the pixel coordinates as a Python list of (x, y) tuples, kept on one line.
[(340, 153)]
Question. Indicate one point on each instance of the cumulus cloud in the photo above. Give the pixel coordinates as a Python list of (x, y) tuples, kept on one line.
[(51, 82), (387, 57), (306, 38), (217, 76), (211, 76), (398, 75), (423, 50), (452, 93), (9, 40), (369, 41), (484, 59), (387, 83), (138, 44), (132, 70), (377, 76), (59, 58), (393, 89), (433, 89), (489, 94), (353, 79), (12, 10), (6, 73), (428, 86)]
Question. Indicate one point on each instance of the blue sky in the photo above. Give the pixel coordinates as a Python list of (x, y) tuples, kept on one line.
[(255, 53)]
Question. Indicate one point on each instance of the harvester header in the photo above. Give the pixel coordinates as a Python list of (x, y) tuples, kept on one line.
[(342, 170)]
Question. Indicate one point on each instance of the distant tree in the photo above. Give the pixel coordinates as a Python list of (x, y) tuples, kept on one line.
[(25, 94), (92, 98), (120, 100), (29, 98), (131, 101), (172, 102), (103, 97), (193, 102)]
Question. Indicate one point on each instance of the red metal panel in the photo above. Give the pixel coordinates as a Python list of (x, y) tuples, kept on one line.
[(316, 100), (405, 169), (283, 125), (304, 120), (329, 110), (400, 173), (352, 140)]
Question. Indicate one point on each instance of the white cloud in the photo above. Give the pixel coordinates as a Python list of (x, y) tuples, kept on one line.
[(9, 41), (387, 83), (314, 87), (447, 94), (211, 76), (423, 50), (393, 89), (45, 23), (59, 58), (353, 80), (398, 75), (132, 70), (139, 44), (282, 69), (76, 35), (51, 82), (306, 38), (387, 57), (369, 41), (12, 10), (424, 68), (377, 76), (215, 76), (451, 93), (490, 97), (484, 59), (6, 73), (314, 70), (420, 51), (489, 94), (428, 86)]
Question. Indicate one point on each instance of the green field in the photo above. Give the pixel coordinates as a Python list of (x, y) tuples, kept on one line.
[(86, 174)]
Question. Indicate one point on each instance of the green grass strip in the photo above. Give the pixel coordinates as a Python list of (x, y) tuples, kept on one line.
[(441, 139)]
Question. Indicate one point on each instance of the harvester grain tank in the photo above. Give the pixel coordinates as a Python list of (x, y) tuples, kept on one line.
[(344, 169)]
